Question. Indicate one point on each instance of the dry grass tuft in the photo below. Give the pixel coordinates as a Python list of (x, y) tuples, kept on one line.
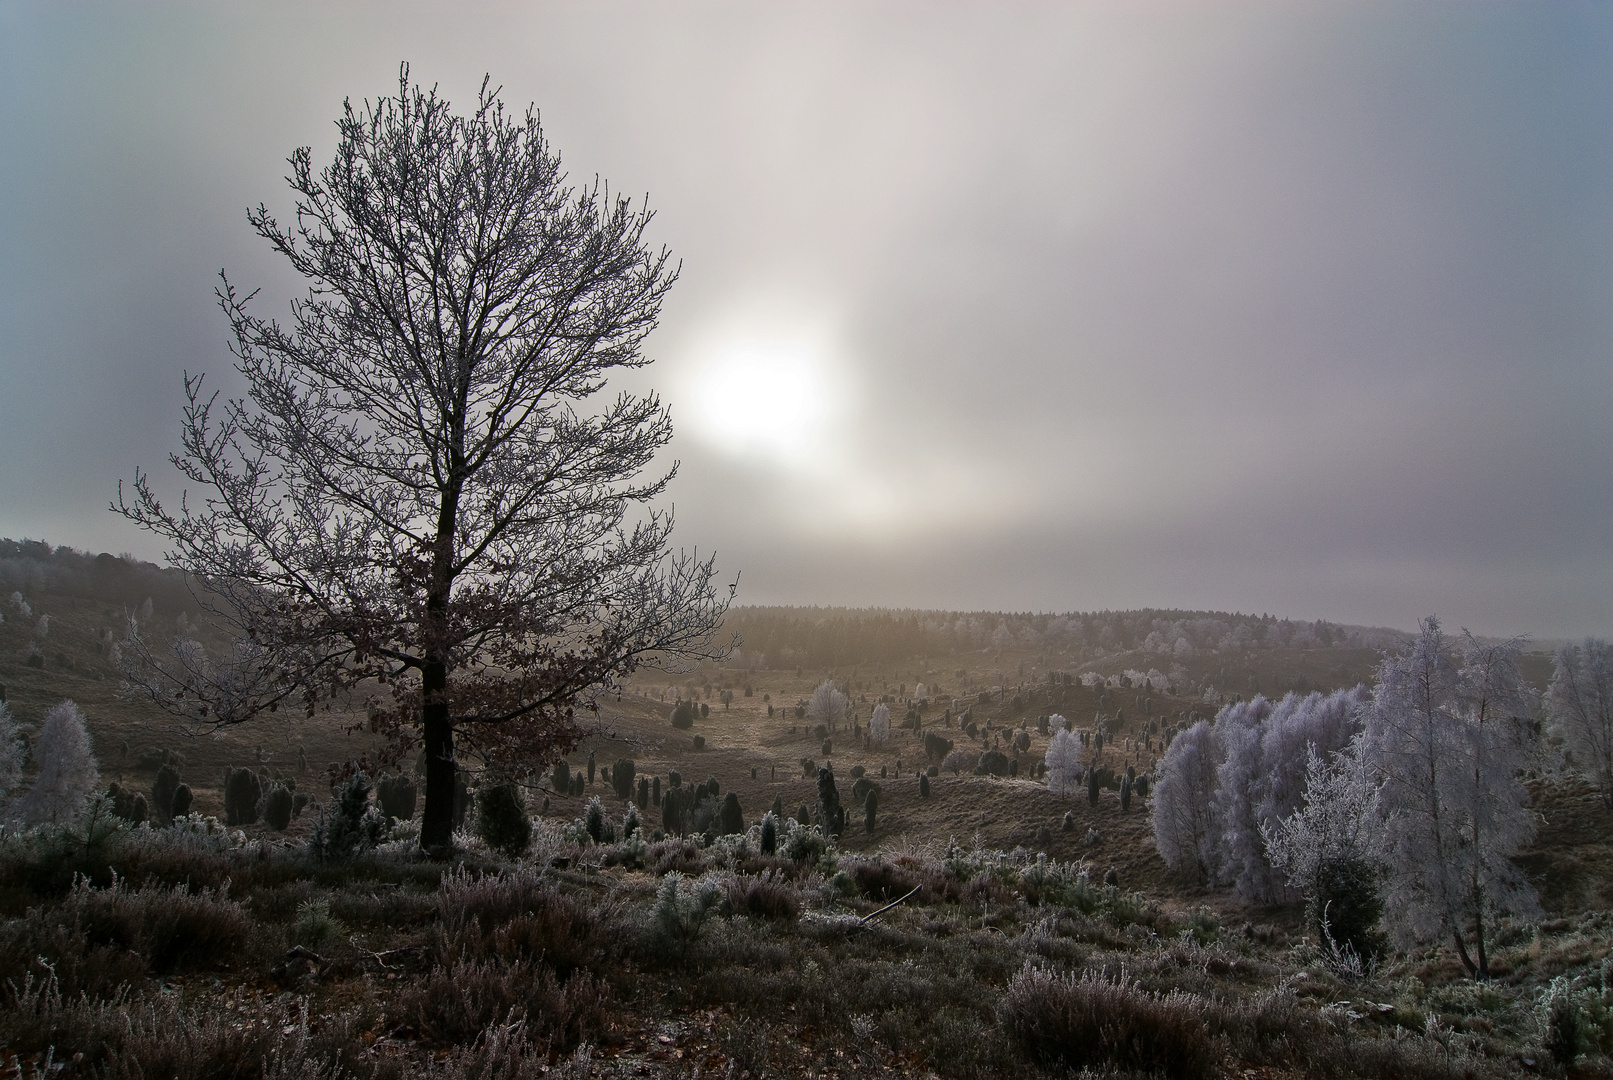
[(1095, 1021)]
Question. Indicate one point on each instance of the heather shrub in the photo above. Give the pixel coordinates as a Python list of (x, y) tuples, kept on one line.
[(1093, 1021), (518, 915), (455, 1004), (878, 879), (762, 896), (172, 928)]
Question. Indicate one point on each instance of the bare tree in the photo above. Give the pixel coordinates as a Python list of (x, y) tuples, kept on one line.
[(418, 493), (1579, 707)]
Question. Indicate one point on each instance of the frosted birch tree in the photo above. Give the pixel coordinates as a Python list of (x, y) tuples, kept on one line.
[(1063, 759), (67, 771), (12, 750), (1579, 709), (879, 724), (1266, 748), (827, 705), (1181, 810), (1447, 736)]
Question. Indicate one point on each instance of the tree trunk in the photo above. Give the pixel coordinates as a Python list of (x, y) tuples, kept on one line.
[(1461, 951), (436, 724), (437, 819)]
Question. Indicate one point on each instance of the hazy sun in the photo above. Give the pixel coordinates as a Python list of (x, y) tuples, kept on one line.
[(771, 398)]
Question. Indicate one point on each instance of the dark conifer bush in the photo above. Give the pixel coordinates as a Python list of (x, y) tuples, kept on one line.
[(242, 791), (397, 794), (161, 803), (733, 818), (501, 819), (277, 807)]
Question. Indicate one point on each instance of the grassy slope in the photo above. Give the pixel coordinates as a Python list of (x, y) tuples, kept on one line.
[(923, 990)]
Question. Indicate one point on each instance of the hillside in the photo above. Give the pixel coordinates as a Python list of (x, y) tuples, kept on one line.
[(1003, 955)]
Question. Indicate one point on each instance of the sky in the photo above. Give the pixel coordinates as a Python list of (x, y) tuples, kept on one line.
[(1293, 308)]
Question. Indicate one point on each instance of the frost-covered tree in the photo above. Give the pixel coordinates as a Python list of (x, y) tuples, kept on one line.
[(12, 750), (1447, 740), (879, 724), (1337, 823), (827, 706), (422, 490), (1579, 708), (1265, 748), (1181, 812), (67, 772), (1328, 849), (1057, 723), (1063, 760)]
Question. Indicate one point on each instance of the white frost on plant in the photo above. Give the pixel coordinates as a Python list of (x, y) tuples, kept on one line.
[(1063, 761), (879, 725), (67, 771)]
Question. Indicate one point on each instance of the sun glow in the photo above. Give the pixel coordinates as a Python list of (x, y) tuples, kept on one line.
[(774, 399)]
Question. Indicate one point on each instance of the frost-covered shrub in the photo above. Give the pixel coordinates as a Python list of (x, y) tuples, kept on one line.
[(67, 772), (879, 725), (1327, 850)]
